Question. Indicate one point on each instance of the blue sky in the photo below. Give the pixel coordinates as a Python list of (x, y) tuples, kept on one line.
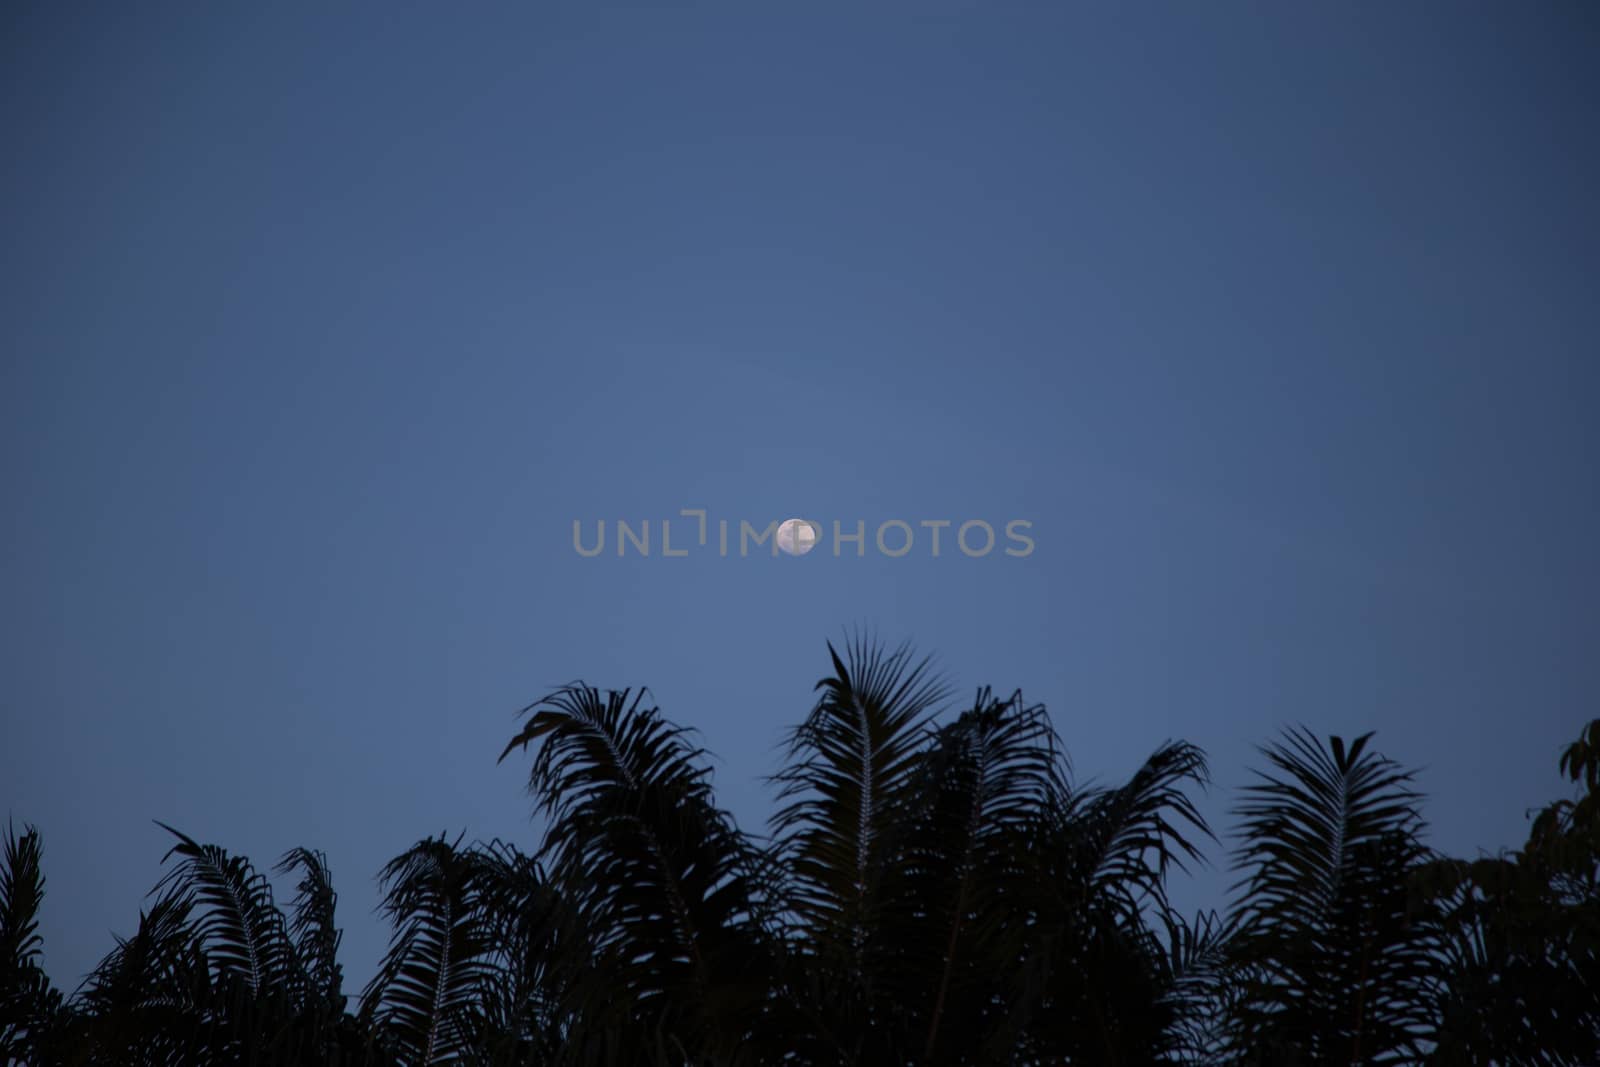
[(321, 327)]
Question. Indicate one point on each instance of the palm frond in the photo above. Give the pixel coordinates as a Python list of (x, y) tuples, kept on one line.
[(1096, 982), (28, 1002), (1128, 839), (311, 924), (1195, 977), (1334, 967), (148, 1000), (949, 898), (585, 744), (239, 925), (845, 792), (426, 999), (664, 883), (21, 893), (542, 951)]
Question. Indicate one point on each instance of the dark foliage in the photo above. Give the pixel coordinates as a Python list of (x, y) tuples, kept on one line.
[(935, 890)]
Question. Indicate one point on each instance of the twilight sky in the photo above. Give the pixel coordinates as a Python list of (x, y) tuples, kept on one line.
[(319, 328)]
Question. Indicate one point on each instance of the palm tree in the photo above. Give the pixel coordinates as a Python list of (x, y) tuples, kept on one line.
[(932, 889), (664, 902), (929, 894), (218, 974)]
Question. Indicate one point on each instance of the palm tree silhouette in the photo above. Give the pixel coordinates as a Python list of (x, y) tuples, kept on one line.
[(932, 890)]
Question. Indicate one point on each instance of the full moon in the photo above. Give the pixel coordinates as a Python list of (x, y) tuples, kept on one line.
[(797, 536)]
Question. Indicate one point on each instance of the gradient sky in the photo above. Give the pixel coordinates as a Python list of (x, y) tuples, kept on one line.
[(320, 327)]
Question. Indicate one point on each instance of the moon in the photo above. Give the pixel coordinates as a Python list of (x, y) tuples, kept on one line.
[(798, 536)]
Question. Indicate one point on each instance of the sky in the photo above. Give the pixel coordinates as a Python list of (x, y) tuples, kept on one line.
[(321, 327)]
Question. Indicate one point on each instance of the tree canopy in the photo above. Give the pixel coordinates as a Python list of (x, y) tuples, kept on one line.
[(934, 887)]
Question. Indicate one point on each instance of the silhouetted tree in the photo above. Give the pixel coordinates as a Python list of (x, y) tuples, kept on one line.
[(931, 892)]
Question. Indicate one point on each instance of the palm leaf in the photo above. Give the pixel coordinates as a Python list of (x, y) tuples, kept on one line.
[(844, 795), (1333, 965), (1126, 840), (311, 924), (28, 1002), (148, 1001), (1196, 979), (949, 896), (239, 926), (426, 999), (21, 892), (662, 880), (541, 950), (1096, 982)]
